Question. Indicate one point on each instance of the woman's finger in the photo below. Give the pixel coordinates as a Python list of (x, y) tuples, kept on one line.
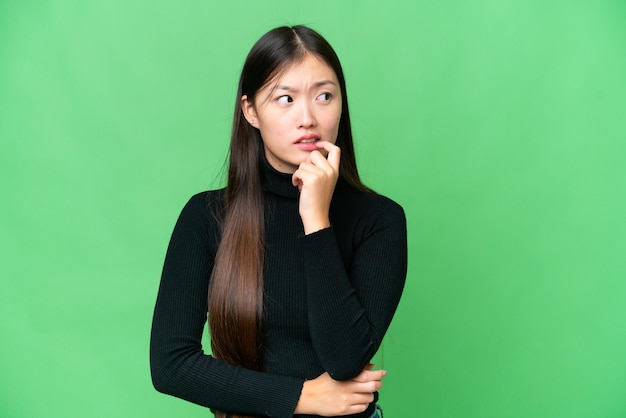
[(334, 153), (303, 172), (321, 162), (369, 375)]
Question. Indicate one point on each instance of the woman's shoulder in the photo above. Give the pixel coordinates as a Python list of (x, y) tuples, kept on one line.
[(204, 205), (207, 198), (367, 203)]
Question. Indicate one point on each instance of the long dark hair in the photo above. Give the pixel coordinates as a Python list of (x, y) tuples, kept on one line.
[(236, 290)]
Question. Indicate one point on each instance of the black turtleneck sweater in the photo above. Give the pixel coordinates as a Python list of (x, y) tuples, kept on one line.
[(329, 298)]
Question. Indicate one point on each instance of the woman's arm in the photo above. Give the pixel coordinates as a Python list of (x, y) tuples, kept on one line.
[(349, 312), (178, 363)]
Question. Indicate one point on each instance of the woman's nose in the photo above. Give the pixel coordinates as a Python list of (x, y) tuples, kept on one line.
[(306, 117)]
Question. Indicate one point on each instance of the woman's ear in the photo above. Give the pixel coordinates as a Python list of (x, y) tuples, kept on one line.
[(247, 107)]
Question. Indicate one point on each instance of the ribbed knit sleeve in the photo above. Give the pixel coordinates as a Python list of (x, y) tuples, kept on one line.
[(178, 363), (351, 307)]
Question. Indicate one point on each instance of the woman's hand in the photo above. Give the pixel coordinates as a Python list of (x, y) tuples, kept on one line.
[(316, 178), (328, 397)]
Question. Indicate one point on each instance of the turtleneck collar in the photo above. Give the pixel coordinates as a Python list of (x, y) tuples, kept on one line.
[(276, 182)]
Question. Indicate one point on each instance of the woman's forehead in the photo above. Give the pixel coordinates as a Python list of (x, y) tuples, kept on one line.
[(310, 70)]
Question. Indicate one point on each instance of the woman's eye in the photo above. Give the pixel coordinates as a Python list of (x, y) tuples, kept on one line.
[(284, 99), (324, 97)]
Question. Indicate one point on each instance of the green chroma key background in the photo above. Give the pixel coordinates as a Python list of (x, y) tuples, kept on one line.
[(498, 125)]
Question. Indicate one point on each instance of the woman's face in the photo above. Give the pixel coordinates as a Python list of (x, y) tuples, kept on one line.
[(302, 106)]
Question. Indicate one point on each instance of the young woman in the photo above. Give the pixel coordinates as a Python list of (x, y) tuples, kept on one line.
[(303, 265)]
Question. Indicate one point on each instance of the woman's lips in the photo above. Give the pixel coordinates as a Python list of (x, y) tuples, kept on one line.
[(307, 142)]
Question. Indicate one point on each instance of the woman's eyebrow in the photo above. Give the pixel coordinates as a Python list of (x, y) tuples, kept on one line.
[(315, 85)]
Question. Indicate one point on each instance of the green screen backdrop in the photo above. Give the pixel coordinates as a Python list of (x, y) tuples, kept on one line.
[(497, 124)]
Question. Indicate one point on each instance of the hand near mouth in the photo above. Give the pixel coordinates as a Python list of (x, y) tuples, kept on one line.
[(316, 179)]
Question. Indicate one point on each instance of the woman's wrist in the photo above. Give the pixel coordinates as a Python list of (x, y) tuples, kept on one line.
[(303, 406), (314, 225)]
